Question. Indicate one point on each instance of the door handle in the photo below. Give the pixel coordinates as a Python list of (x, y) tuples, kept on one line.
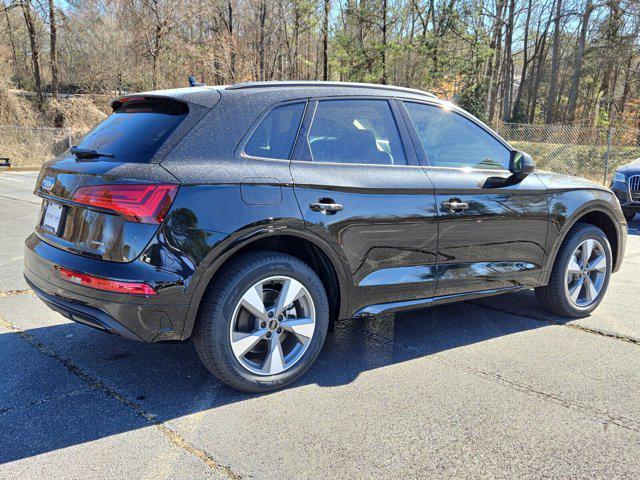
[(455, 205), (326, 205)]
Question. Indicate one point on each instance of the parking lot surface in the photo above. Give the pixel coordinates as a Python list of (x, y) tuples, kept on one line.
[(494, 388)]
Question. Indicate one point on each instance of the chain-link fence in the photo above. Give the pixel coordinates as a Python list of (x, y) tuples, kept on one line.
[(591, 152), (32, 146)]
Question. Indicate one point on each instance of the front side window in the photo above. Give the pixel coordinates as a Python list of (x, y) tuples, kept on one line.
[(275, 135), (355, 131), (451, 140)]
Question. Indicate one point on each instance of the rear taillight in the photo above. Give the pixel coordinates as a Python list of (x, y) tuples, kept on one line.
[(134, 288), (141, 203)]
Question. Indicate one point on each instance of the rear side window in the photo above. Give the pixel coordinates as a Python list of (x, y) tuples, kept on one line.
[(451, 140), (275, 135), (355, 131), (136, 130)]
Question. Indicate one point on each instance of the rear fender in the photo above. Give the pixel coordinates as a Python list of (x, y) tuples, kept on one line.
[(239, 240)]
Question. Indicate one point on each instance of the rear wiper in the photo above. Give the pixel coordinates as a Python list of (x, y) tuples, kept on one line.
[(88, 153)]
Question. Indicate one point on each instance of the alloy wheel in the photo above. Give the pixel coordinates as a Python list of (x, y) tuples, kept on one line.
[(272, 325), (586, 273)]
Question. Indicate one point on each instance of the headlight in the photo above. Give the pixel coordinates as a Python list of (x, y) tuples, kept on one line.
[(619, 177)]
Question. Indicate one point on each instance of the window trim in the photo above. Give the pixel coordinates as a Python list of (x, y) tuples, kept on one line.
[(302, 152), (417, 143), (239, 150)]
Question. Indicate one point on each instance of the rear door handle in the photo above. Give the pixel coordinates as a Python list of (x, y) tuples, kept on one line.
[(326, 206), (455, 205)]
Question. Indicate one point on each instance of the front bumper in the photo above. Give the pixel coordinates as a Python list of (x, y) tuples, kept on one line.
[(621, 191), (146, 318)]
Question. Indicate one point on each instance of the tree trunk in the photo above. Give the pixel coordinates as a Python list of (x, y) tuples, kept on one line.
[(496, 44), (536, 78), (53, 34), (627, 85), (525, 66), (325, 40), (383, 53), (297, 18), (612, 37), (155, 54), (577, 64), (35, 48), (232, 60), (507, 79), (12, 42), (555, 66), (262, 18)]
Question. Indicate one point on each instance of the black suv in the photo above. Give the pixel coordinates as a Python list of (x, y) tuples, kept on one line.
[(252, 216)]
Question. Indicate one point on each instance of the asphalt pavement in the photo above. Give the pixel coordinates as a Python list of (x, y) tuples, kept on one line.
[(494, 388)]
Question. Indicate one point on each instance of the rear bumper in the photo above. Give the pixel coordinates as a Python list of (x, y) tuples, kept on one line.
[(138, 317), (84, 314)]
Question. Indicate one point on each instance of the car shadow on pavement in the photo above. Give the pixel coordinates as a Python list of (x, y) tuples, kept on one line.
[(634, 226), (90, 385)]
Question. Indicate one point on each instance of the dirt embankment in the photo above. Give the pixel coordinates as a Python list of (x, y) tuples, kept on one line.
[(32, 134)]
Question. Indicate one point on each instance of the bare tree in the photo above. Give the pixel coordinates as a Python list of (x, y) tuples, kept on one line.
[(154, 25), (526, 60), (53, 49), (325, 40), (29, 20), (12, 42), (555, 65), (577, 63), (496, 45)]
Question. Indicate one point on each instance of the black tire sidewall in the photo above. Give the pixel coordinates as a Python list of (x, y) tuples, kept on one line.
[(234, 288)]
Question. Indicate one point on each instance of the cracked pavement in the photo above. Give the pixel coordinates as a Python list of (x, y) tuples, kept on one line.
[(494, 388)]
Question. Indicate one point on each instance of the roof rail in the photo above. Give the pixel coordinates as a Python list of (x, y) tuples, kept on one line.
[(318, 83)]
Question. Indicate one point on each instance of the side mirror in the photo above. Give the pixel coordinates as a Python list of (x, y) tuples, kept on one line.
[(521, 164)]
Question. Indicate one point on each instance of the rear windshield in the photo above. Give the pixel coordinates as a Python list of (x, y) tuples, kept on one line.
[(136, 130)]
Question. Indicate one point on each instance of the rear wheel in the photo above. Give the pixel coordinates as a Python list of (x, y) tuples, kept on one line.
[(263, 322), (580, 274)]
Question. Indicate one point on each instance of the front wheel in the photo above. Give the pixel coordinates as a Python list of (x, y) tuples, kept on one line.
[(263, 322), (580, 274)]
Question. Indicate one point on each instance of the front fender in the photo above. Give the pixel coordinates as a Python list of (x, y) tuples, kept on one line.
[(566, 208)]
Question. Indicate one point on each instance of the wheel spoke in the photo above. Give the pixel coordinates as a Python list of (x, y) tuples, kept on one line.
[(587, 249), (242, 342), (274, 363), (252, 301), (574, 291), (573, 266), (590, 292), (301, 327), (599, 263), (291, 291)]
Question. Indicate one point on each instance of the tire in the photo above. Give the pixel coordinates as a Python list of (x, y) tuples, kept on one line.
[(229, 310), (629, 214), (556, 296)]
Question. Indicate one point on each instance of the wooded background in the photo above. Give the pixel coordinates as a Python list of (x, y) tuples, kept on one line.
[(525, 61)]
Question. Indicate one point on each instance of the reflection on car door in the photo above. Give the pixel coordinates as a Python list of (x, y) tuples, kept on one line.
[(360, 190), (492, 229)]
